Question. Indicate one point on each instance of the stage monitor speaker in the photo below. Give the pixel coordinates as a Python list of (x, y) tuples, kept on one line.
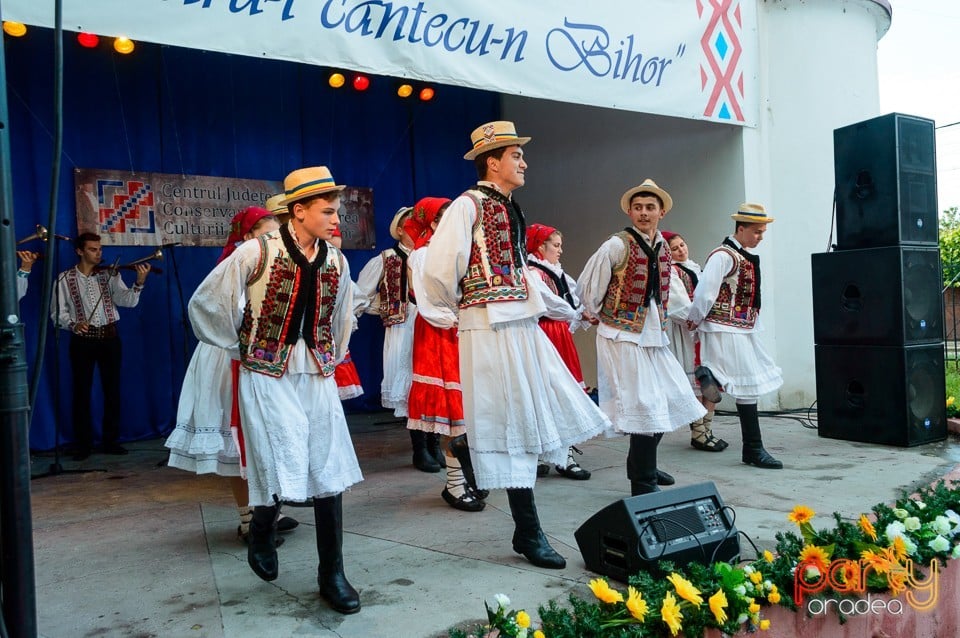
[(881, 394), (886, 180), (877, 296), (684, 524)]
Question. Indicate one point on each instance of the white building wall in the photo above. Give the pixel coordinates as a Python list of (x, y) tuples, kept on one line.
[(818, 71)]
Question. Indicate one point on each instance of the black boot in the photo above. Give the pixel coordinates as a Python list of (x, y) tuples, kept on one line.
[(528, 537), (334, 587), (461, 449), (422, 459), (642, 463), (433, 448), (262, 547), (753, 452)]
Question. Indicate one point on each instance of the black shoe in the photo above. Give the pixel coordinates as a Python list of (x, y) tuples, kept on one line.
[(709, 387), (542, 469), (422, 459), (759, 457), (286, 524), (338, 592), (538, 551), (664, 479), (115, 448), (643, 487), (261, 543), (434, 449), (466, 503), (574, 472), (81, 454)]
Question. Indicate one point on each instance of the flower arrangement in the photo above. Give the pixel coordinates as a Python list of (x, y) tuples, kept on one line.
[(886, 550)]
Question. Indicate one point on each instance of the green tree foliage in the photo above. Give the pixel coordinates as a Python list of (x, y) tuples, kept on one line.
[(950, 246)]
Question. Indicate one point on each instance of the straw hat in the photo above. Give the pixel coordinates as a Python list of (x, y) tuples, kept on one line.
[(275, 204), (752, 213), (493, 135), (648, 186), (398, 218), (306, 182)]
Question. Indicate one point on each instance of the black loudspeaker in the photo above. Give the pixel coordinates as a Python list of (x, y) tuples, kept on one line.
[(877, 296), (881, 394), (886, 180), (684, 524)]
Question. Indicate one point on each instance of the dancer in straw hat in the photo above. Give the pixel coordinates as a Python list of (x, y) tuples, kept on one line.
[(626, 283), (383, 283), (290, 333), (726, 311), (519, 399)]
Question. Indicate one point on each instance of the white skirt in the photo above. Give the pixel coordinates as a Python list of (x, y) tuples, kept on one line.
[(683, 346), (643, 389), (202, 442), (297, 442), (740, 363), (520, 402), (398, 364)]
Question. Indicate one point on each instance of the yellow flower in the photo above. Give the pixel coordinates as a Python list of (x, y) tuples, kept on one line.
[(754, 608), (773, 598), (604, 592), (636, 604), (773, 589), (814, 556), (764, 624), (756, 577), (539, 634), (877, 562), (718, 604), (685, 589), (523, 619), (867, 527), (767, 556), (801, 514), (670, 612), (950, 401), (899, 548)]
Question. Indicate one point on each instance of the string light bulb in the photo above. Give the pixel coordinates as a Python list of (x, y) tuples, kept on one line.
[(123, 45), (361, 82), (14, 29), (426, 94), (336, 80), (404, 90), (88, 40)]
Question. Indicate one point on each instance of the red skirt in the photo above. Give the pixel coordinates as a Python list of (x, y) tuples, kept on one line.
[(348, 381), (560, 336), (235, 417), (435, 403)]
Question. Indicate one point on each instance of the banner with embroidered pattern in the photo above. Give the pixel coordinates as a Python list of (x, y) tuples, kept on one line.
[(152, 209)]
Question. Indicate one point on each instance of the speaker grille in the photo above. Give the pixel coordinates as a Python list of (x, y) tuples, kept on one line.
[(676, 524)]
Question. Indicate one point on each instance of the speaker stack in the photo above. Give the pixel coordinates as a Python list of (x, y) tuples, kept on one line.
[(877, 301)]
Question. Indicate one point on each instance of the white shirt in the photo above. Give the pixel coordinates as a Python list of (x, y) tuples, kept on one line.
[(98, 309)]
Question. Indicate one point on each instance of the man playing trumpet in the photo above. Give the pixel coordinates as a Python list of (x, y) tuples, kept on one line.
[(85, 304)]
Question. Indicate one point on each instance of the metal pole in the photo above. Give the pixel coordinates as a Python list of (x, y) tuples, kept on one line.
[(16, 530)]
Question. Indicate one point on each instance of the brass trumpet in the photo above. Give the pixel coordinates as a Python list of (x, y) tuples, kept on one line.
[(41, 234), (156, 255)]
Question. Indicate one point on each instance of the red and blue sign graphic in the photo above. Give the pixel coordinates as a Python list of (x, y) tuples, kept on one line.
[(721, 74)]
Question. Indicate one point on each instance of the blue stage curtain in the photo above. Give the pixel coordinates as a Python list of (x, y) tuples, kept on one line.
[(172, 110)]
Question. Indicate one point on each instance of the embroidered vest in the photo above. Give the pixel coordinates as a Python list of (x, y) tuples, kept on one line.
[(493, 274), (106, 300), (272, 293), (393, 287), (556, 283), (623, 304), (738, 292), (687, 278)]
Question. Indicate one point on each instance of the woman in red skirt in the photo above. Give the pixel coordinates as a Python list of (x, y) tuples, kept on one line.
[(435, 403), (564, 315)]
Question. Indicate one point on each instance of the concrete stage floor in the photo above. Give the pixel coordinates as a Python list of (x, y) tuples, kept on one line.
[(144, 550)]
